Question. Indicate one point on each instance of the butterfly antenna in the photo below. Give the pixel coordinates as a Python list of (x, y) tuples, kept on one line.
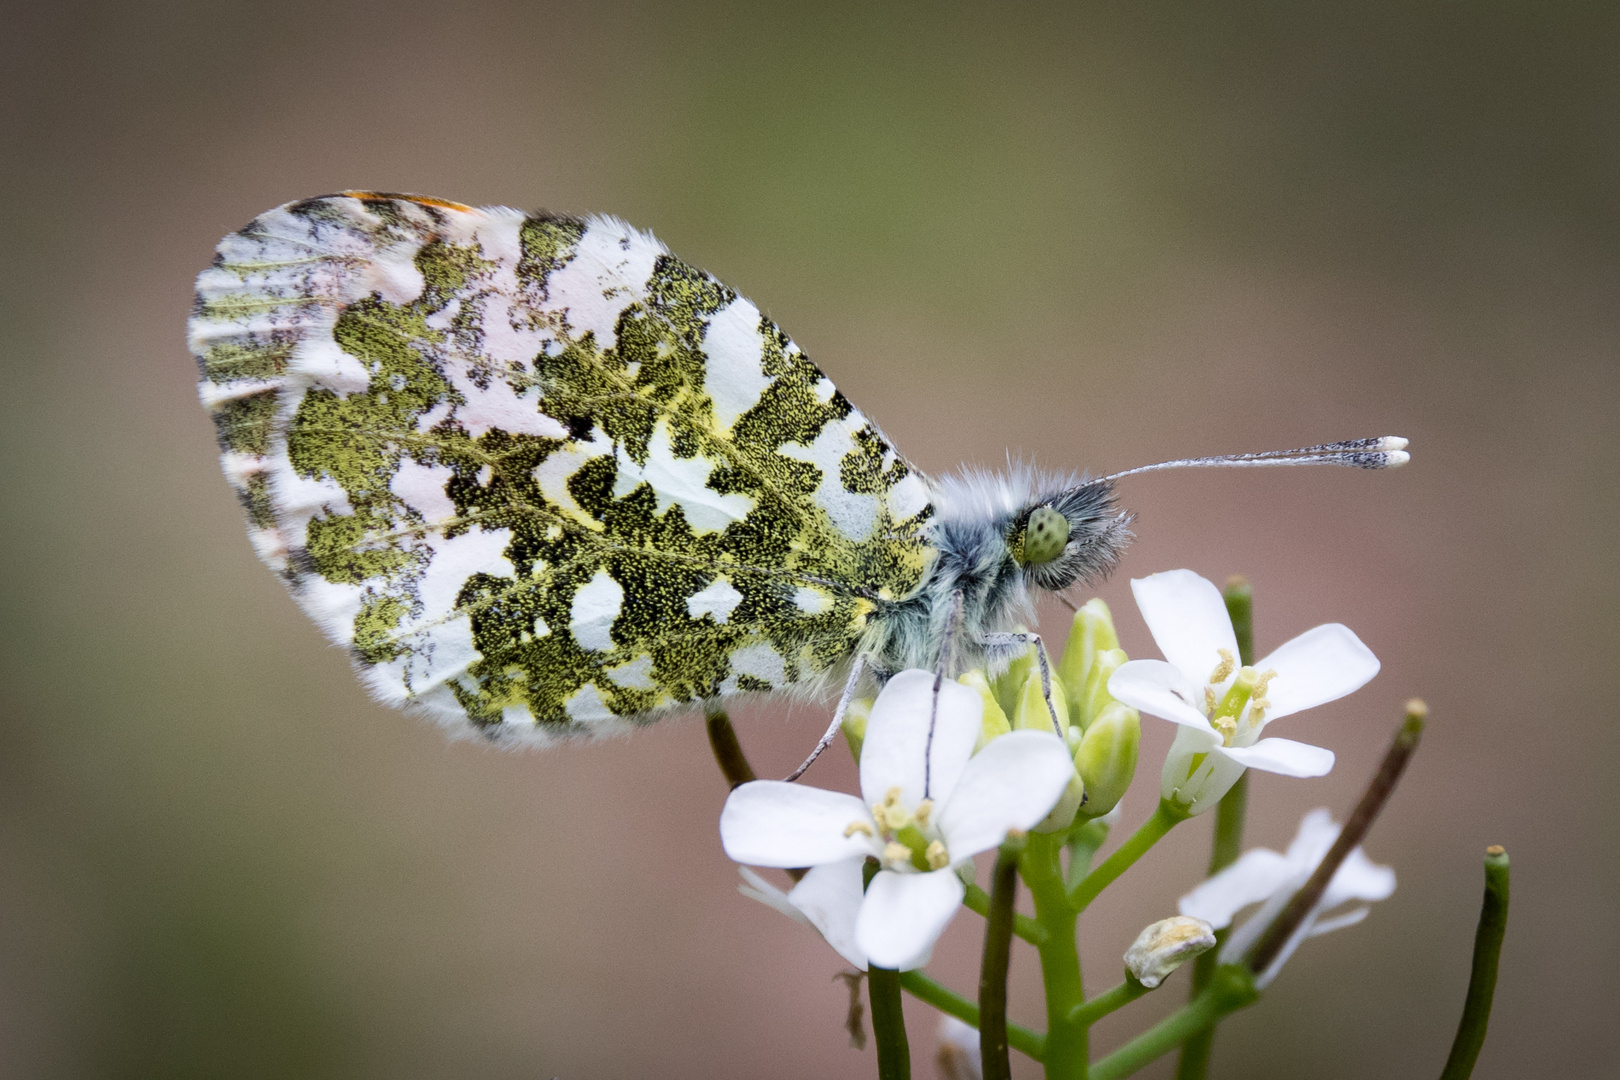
[(1387, 452)]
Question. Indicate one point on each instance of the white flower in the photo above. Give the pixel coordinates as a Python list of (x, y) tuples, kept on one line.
[(1221, 707), (827, 899), (928, 805), (1264, 875)]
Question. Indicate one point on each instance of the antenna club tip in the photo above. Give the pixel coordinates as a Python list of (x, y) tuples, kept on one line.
[(1394, 459), (1391, 442)]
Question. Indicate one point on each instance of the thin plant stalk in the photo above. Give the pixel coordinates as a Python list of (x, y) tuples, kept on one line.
[(1108, 1001), (998, 934), (1482, 981), (1151, 831), (888, 1024)]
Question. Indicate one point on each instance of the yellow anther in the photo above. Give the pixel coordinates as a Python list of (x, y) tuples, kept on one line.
[(880, 816), (857, 827), (1226, 726), (1264, 681), (937, 857), (1224, 669), (896, 854), (1209, 699), (892, 797), (924, 811)]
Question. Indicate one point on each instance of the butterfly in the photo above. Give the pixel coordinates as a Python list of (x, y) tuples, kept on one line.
[(543, 479)]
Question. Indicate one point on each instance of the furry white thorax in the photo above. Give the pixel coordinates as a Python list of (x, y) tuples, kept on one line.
[(978, 517)]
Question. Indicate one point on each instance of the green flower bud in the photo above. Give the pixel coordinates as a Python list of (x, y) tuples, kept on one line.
[(1091, 632), (1062, 815), (854, 725), (995, 720), (1009, 685), (1094, 697), (1106, 759), (1031, 713)]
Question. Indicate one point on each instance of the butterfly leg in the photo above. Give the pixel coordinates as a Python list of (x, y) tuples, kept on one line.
[(995, 641), (857, 669)]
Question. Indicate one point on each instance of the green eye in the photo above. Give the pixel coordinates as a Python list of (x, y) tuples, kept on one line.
[(1045, 535)]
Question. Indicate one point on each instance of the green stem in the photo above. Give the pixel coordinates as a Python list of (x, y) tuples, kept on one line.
[(1228, 845), (1107, 1001), (1165, 818), (978, 901), (1482, 983), (1067, 1043), (1083, 844), (888, 1024), (994, 1062), (1231, 989), (1031, 1044)]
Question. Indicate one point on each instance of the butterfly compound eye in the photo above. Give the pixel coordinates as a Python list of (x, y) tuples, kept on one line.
[(1046, 533)]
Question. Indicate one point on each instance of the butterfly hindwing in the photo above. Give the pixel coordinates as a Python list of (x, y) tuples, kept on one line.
[(538, 473)]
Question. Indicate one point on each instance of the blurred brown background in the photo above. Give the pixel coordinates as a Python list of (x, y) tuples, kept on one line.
[(1095, 234)]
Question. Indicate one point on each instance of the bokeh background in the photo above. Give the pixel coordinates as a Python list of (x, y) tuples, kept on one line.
[(1094, 234)]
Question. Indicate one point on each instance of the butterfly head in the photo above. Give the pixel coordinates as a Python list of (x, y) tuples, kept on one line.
[(1073, 535)]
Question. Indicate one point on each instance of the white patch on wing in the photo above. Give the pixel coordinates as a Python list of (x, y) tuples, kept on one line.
[(735, 376), (854, 514), (682, 481), (636, 675), (718, 598), (596, 605), (607, 274), (587, 707), (455, 559), (517, 716), (759, 660), (908, 498), (422, 488), (811, 601)]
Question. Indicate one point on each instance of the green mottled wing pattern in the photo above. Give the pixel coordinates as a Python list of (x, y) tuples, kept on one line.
[(542, 477)]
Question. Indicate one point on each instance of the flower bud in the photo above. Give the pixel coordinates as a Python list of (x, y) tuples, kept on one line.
[(995, 720), (1165, 946), (1094, 697), (854, 725), (1068, 805), (1091, 632), (1010, 683), (1106, 760), (1031, 712)]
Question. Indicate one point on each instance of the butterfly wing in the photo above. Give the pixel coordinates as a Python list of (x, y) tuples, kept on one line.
[(541, 476)]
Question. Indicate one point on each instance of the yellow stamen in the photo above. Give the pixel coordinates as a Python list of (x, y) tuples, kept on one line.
[(1224, 669), (857, 827), (937, 857), (1264, 681), (924, 811), (1209, 699), (1226, 726), (880, 816), (896, 854)]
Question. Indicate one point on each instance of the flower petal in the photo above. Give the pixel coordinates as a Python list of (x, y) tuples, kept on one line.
[(1188, 619), (1358, 878), (903, 915), (1254, 877), (1283, 756), (1011, 784), (1316, 833), (897, 738), (1161, 689), (757, 888), (1339, 922), (1319, 666), (830, 897), (769, 823)]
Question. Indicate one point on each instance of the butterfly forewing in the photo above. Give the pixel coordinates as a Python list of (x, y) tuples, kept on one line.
[(542, 476)]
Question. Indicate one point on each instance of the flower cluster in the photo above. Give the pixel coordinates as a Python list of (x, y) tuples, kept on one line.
[(952, 768)]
